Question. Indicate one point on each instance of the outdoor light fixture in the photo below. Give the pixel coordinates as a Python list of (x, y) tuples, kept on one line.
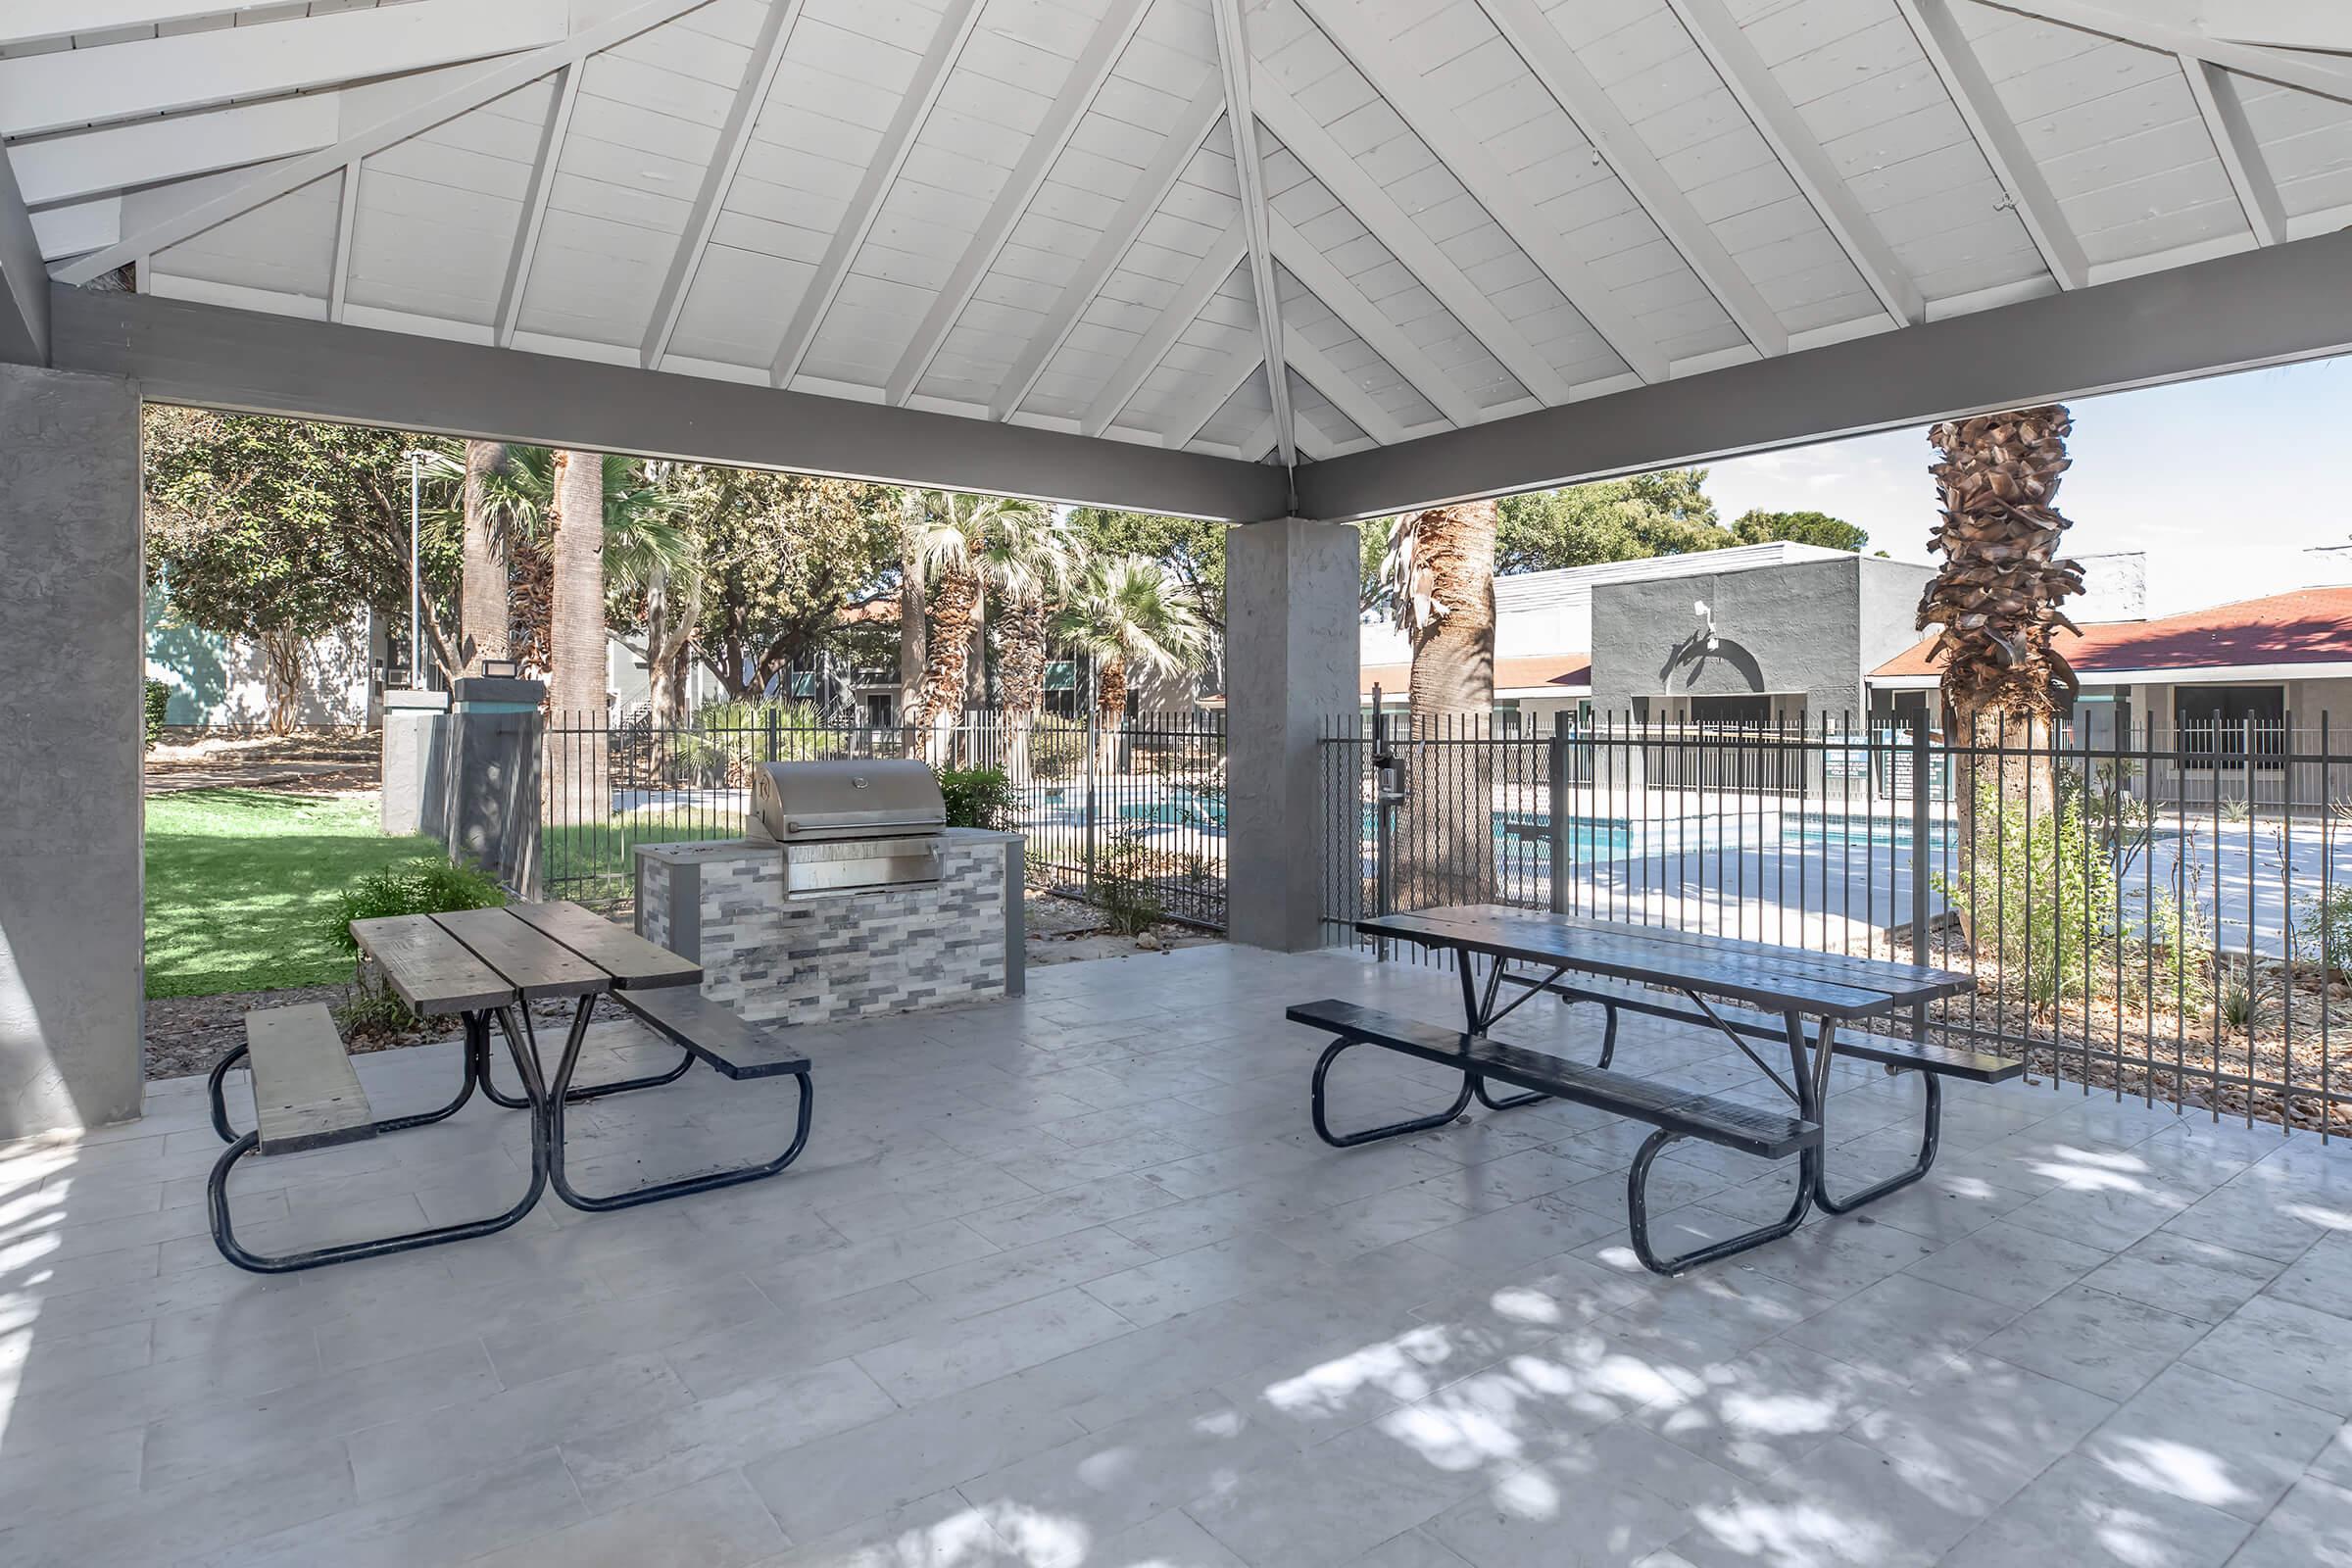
[(1706, 619), (501, 668)]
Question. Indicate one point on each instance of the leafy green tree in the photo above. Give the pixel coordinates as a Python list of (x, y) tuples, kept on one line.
[(284, 531), (1661, 513), (1192, 552), (1758, 526), (781, 554)]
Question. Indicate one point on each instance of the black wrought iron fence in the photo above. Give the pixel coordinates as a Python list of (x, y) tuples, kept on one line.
[(1130, 817), (2158, 911)]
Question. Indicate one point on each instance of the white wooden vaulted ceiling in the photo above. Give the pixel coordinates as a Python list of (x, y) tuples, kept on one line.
[(1435, 213)]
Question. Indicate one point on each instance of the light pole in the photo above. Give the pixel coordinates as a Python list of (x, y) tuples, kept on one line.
[(416, 571)]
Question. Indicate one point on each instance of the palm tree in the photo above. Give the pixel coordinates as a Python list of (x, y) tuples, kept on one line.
[(1994, 600), (576, 639), (1125, 611), (966, 545), (482, 618), (1042, 556), (1439, 573)]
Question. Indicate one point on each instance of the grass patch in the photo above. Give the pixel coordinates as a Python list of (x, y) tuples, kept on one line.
[(241, 885), (595, 862)]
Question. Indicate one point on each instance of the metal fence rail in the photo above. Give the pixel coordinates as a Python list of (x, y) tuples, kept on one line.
[(2157, 912), (1130, 817)]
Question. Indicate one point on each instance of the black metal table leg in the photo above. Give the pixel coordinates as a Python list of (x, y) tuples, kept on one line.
[(224, 1233), (1930, 1134), (554, 1095), (1637, 1209)]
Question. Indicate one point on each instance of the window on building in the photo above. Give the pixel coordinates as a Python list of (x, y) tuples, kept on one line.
[(2221, 726)]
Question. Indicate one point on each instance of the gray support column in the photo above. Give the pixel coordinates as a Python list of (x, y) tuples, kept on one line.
[(1291, 595), (24, 281), (73, 982)]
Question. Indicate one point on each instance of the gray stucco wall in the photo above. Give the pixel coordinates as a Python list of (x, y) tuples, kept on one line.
[(1810, 628), (72, 976), (1290, 594)]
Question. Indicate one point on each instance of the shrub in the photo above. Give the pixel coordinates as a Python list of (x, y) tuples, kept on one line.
[(2324, 929), (728, 736), (1125, 881), (976, 797), (159, 702), (1056, 747), (423, 886)]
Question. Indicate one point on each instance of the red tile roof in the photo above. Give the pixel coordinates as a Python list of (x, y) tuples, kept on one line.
[(1571, 671), (2309, 626)]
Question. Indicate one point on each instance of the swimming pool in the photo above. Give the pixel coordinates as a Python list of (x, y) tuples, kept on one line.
[(1526, 834)]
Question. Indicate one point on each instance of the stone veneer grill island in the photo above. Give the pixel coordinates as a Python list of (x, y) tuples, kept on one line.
[(823, 958)]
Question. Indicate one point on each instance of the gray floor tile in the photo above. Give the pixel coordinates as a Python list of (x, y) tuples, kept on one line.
[(2013, 1264), (1613, 1499), (2094, 1341), (2105, 1519), (1333, 1503), (2283, 1348), (2321, 1279), (2209, 1440), (2311, 1529), (2181, 1274), (992, 1345), (717, 1523)]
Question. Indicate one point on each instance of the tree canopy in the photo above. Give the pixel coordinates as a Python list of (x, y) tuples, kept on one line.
[(1758, 526), (781, 554), (1192, 550), (1660, 514)]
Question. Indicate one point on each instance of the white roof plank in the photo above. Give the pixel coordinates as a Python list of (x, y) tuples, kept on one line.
[(718, 176), (1309, 362), (1052, 132), (1564, 76), (1366, 321), (1424, 258), (1207, 277), (155, 76), (2313, 72), (533, 222), (1117, 239), (1947, 48), (476, 90), (1778, 120), (2234, 142), (1397, 78), (42, 20), (874, 186)]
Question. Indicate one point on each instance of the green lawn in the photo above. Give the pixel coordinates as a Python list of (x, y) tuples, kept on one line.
[(240, 884)]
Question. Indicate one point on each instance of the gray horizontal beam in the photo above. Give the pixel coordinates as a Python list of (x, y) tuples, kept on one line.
[(255, 362), (2263, 307), (24, 281)]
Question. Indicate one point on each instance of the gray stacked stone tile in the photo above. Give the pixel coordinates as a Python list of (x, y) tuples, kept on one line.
[(843, 955)]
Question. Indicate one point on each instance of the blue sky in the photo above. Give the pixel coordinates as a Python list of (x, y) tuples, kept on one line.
[(2222, 482)]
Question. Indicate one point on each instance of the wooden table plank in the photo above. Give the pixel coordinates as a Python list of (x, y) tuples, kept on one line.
[(1534, 940), (633, 962), (306, 1093), (534, 963), (432, 971)]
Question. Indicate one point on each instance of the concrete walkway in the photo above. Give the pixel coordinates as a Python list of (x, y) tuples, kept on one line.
[(1067, 1283)]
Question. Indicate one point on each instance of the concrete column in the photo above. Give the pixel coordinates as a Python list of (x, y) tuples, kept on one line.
[(1291, 595), (72, 981), (406, 742)]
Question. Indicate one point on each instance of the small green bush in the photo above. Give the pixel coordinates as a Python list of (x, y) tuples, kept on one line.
[(732, 734), (1125, 883), (2324, 929), (1056, 747), (159, 702), (976, 797), (423, 886)]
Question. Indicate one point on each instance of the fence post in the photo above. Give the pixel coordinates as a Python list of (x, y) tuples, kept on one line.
[(1921, 857), (1093, 738), (1555, 812)]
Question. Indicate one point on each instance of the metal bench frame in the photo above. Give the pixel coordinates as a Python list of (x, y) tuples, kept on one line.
[(1636, 1197)]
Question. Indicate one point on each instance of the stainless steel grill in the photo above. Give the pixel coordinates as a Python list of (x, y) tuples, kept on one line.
[(850, 826)]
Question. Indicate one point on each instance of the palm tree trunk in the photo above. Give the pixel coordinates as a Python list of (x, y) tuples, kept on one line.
[(1448, 856), (577, 635), (1021, 664), (482, 594), (954, 604)]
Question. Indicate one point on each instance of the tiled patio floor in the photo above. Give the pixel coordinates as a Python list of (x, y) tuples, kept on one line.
[(1069, 1281)]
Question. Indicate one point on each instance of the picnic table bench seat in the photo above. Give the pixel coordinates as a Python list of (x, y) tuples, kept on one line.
[(714, 1033), (1765, 1134), (305, 1093)]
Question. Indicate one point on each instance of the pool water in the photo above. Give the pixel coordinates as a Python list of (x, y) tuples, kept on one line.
[(1526, 834)]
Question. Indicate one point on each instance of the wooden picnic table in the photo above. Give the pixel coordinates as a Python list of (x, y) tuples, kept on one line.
[(486, 966), (1744, 990)]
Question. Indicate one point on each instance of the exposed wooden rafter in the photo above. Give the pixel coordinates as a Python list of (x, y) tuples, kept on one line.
[(1398, 77), (534, 204), (1340, 390), (2329, 75), (95, 163), (1184, 427), (1092, 68), (45, 21), (1176, 154), (1191, 297), (1725, 43), (493, 81), (2235, 144), (1527, 29), (347, 213), (1948, 49), (718, 176), (2321, 25), (1233, 64), (881, 172), (182, 70)]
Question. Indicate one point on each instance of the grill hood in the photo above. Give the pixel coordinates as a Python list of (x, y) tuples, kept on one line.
[(798, 802)]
